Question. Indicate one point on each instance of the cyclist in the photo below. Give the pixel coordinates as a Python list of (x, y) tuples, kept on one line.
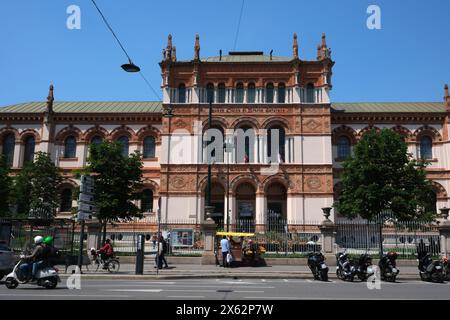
[(106, 252)]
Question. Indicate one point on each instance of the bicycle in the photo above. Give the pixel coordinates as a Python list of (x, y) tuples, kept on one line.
[(112, 264)]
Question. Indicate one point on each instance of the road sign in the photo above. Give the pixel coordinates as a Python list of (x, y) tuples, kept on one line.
[(86, 198), (84, 215), (86, 207)]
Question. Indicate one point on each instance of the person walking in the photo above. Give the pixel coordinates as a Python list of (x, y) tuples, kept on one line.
[(225, 248), (163, 253)]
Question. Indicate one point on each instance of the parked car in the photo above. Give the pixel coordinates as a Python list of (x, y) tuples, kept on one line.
[(7, 260)]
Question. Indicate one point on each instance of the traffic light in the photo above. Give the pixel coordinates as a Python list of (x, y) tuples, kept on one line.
[(86, 207)]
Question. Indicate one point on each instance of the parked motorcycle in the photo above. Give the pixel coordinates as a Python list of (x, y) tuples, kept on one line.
[(316, 262), (46, 277), (388, 267), (345, 270), (364, 269), (430, 270)]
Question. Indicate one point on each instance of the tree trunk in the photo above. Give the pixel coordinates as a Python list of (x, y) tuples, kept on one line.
[(105, 222)]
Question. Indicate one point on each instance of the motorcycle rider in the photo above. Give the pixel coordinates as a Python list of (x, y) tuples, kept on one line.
[(50, 253), (35, 258), (106, 252)]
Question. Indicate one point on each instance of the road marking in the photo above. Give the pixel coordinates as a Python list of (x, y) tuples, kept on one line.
[(252, 286), (65, 295), (285, 280), (177, 290), (186, 297), (134, 290), (263, 280)]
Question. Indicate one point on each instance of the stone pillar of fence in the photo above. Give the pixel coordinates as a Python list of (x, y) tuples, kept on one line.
[(328, 231), (444, 232), (208, 228), (94, 233)]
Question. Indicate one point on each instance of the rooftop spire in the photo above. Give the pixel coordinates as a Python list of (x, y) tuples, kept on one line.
[(446, 95), (319, 52), (197, 47), (174, 54), (324, 40), (295, 46), (168, 51), (50, 99)]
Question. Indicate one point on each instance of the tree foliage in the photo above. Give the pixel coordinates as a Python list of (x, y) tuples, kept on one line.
[(118, 180), (5, 188), (381, 176), (36, 188)]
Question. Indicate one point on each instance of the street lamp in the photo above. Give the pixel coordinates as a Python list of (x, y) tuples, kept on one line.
[(130, 67), (208, 207)]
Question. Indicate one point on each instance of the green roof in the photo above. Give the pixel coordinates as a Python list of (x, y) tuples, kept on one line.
[(246, 58), (87, 107), (389, 107), (156, 107)]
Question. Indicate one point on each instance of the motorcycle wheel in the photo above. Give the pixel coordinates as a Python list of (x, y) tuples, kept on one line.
[(324, 275), (339, 274), (422, 277), (113, 266), (437, 277), (11, 283), (50, 283)]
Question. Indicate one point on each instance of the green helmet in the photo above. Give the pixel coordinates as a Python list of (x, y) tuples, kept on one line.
[(48, 240)]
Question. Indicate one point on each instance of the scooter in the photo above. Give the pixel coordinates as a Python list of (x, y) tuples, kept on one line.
[(46, 277), (345, 270), (430, 270), (316, 262), (364, 270), (388, 267)]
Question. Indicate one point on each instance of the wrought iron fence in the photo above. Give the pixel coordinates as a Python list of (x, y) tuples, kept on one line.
[(406, 238)]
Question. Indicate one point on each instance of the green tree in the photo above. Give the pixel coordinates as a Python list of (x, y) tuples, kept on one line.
[(118, 180), (36, 188), (382, 177), (5, 188)]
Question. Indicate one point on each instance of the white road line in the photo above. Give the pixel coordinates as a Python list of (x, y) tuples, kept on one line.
[(65, 295), (186, 297), (255, 286), (285, 280), (134, 290), (180, 290), (263, 280)]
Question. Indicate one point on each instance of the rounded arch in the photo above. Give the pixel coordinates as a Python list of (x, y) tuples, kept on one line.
[(30, 132), (344, 131), (441, 193), (277, 179), (152, 185), (216, 121), (245, 121), (95, 131), (70, 130), (245, 178), (148, 131), (68, 183), (123, 130), (427, 131), (363, 131), (202, 184), (276, 121), (9, 130), (403, 132)]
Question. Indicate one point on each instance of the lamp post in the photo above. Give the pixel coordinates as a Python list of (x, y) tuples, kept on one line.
[(168, 114), (208, 207)]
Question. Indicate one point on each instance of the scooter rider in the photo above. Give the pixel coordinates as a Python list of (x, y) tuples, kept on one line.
[(35, 258)]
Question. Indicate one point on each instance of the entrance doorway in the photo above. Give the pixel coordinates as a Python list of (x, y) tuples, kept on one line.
[(276, 195), (246, 202)]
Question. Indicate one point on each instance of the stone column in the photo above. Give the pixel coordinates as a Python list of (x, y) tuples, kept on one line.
[(444, 232), (260, 212), (208, 228), (328, 231)]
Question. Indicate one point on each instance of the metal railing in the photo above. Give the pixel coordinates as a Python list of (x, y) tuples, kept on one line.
[(405, 238)]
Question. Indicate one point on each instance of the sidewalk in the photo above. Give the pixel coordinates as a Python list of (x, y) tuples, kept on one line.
[(127, 271)]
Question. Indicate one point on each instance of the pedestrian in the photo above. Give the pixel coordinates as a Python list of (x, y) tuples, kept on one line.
[(159, 253), (225, 248), (164, 252)]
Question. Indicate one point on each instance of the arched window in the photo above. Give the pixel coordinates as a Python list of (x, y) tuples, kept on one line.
[(149, 147), (124, 141), (182, 93), (239, 93), (70, 147), (310, 93), (221, 96), (210, 93), (426, 148), (280, 148), (251, 93), (269, 93), (431, 203), (217, 154), (96, 140), (66, 200), (9, 142), (29, 149), (246, 155), (281, 93), (147, 201), (343, 147)]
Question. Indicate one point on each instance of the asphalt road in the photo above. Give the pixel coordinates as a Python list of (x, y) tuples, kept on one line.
[(229, 289)]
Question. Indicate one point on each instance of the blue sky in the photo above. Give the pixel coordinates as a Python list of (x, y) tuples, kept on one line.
[(407, 60)]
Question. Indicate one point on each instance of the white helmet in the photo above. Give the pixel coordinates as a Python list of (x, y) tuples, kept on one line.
[(38, 240)]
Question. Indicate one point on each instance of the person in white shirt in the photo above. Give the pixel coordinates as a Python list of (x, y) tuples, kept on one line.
[(225, 248)]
